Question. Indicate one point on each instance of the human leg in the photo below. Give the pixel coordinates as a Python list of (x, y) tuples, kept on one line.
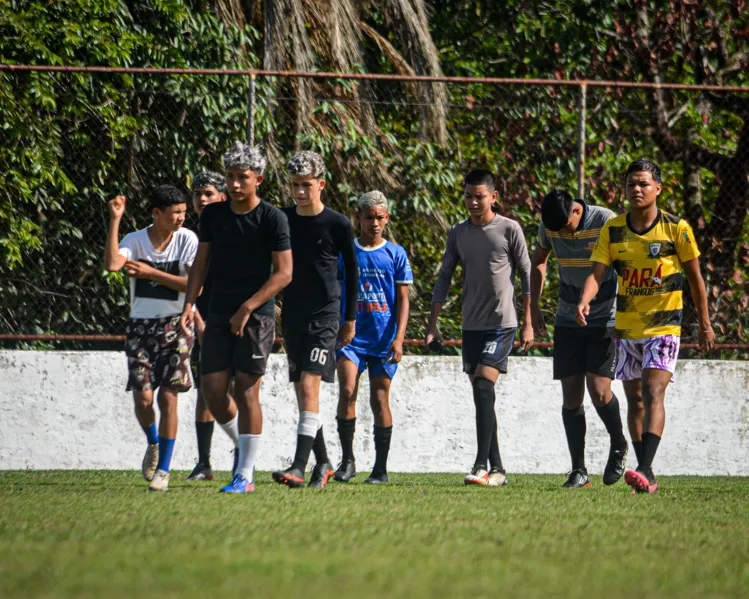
[(348, 387)]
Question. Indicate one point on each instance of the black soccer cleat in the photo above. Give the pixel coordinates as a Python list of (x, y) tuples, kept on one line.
[(615, 466), (200, 472), (346, 471), (577, 480), (292, 477), (321, 474), (377, 478)]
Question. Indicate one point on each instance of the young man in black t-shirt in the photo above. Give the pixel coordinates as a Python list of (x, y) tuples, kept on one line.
[(310, 314), (246, 241)]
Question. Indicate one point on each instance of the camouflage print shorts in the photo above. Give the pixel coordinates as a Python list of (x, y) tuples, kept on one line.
[(158, 354)]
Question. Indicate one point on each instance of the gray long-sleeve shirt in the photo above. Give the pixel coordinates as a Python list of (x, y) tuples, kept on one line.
[(489, 254)]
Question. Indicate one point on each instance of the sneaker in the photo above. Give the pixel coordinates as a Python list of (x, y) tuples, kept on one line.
[(160, 481), (150, 461), (238, 484), (577, 480), (641, 483), (615, 466), (235, 464), (497, 478), (346, 471), (377, 478), (477, 476), (293, 477), (201, 472), (321, 474)]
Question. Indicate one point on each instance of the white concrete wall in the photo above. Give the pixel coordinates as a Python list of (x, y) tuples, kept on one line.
[(70, 410)]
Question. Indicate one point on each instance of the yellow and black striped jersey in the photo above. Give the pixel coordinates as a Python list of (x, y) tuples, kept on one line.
[(649, 273)]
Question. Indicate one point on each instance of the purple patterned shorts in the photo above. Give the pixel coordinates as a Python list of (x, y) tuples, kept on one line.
[(633, 355)]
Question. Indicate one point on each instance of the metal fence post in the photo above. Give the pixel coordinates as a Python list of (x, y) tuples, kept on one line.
[(581, 124), (251, 111)]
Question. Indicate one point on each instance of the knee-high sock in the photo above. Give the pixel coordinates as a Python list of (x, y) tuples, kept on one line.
[(612, 420), (346, 428), (650, 442), (305, 437), (166, 447), (249, 447), (495, 460), (318, 446), (231, 428), (382, 435), (483, 398), (204, 431), (575, 426)]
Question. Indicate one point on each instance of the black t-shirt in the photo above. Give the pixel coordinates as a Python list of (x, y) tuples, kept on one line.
[(241, 252), (316, 242), (204, 299)]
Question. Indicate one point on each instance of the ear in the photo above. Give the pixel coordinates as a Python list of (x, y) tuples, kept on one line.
[(322, 184), (658, 189), (259, 179), (495, 195)]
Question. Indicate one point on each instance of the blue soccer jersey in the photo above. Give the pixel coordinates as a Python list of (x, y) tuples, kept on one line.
[(381, 270)]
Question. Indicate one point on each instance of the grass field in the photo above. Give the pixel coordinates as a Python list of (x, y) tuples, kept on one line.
[(102, 534)]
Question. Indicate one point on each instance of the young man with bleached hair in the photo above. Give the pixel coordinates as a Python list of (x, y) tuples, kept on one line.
[(583, 356), (491, 249), (246, 243), (649, 250), (311, 311), (156, 259), (381, 318)]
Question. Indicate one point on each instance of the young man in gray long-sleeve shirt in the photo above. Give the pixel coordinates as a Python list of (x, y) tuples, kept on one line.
[(490, 249)]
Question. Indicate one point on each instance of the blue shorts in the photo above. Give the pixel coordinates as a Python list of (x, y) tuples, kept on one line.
[(491, 348), (377, 366)]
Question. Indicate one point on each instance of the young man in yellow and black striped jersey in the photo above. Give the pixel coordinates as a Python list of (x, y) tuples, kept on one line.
[(583, 356), (649, 249)]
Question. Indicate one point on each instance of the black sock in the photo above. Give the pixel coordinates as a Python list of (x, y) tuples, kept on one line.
[(382, 436), (303, 449), (321, 452), (575, 427), (495, 460), (650, 443), (483, 397), (346, 428), (612, 420), (638, 450), (204, 432)]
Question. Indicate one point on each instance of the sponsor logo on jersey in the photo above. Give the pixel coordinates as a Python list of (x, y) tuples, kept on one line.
[(642, 281), (655, 250)]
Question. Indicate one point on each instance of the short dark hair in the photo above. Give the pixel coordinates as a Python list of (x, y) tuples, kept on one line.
[(164, 196), (643, 164), (480, 176), (556, 209)]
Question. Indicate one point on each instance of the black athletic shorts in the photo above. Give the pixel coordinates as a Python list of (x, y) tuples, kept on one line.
[(223, 350), (310, 347), (578, 350), (491, 348)]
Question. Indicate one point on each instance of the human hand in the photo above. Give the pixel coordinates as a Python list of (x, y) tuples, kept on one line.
[(138, 270), (346, 333), (582, 314), (117, 207), (239, 321), (526, 336), (395, 353)]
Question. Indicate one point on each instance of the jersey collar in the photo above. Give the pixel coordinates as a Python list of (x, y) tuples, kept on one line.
[(377, 247)]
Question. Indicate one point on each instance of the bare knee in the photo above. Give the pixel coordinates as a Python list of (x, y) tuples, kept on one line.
[(654, 392), (143, 401), (167, 398), (599, 389)]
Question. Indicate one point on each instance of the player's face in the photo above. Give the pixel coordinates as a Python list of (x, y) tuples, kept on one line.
[(479, 199), (372, 221), (574, 220), (206, 195), (241, 183), (170, 218), (306, 190), (641, 189)]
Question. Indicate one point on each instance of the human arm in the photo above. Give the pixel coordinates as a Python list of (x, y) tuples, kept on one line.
[(442, 288), (519, 252), (402, 308), (347, 249), (141, 270), (538, 276), (113, 260), (699, 295), (590, 290)]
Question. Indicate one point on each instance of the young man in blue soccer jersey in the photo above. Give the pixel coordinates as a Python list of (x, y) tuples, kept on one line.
[(246, 242), (157, 260), (491, 249), (311, 311), (381, 318), (649, 249), (583, 356)]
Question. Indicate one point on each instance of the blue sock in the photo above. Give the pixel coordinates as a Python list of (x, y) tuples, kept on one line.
[(152, 434), (166, 447)]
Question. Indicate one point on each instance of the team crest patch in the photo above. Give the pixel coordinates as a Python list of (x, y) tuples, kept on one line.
[(655, 249)]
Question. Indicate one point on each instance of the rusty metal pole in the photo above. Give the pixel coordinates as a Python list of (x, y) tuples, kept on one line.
[(581, 125), (251, 111)]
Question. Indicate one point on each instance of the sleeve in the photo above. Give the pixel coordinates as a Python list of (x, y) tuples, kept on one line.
[(521, 259), (449, 262), (280, 237), (686, 244), (350, 267), (190, 250), (341, 273), (205, 234), (127, 247), (403, 274), (543, 238), (602, 251)]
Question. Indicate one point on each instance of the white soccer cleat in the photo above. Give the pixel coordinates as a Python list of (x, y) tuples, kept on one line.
[(160, 481), (497, 479), (150, 461), (477, 476)]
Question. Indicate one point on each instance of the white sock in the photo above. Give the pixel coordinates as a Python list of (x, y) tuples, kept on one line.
[(249, 446), (309, 422), (231, 428)]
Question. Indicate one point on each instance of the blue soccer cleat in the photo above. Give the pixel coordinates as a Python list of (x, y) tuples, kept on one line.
[(239, 484)]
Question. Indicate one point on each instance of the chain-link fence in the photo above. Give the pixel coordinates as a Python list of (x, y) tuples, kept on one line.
[(71, 140)]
